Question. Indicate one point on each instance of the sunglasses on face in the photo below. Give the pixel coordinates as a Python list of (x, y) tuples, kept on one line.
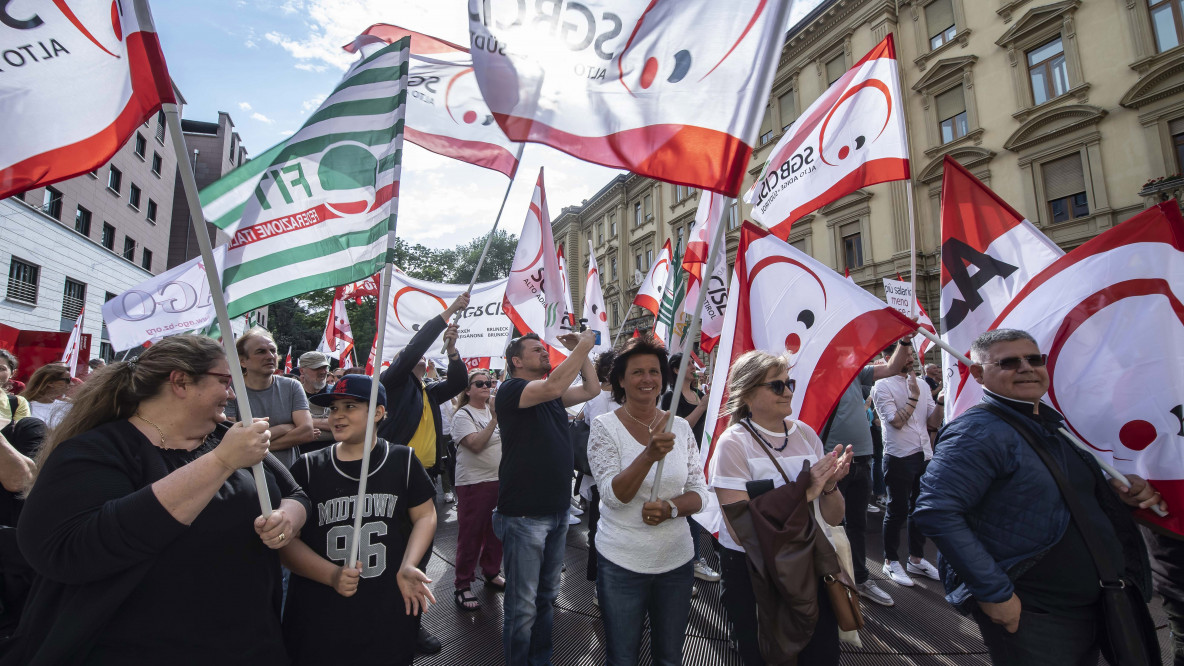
[(778, 386), (482, 384), (1015, 362)]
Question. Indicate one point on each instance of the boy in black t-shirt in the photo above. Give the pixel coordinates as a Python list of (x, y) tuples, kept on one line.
[(367, 614)]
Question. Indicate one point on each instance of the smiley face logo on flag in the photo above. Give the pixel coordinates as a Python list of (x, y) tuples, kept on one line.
[(460, 94), (854, 120)]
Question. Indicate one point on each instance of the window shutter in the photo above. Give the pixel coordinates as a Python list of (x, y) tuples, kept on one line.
[(1176, 127), (939, 15), (788, 108), (950, 103), (1063, 177), (835, 69)]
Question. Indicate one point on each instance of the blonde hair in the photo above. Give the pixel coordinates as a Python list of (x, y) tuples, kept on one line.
[(746, 376), (38, 388), (464, 395)]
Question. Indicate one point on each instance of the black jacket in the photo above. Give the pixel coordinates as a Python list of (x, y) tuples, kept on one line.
[(404, 400)]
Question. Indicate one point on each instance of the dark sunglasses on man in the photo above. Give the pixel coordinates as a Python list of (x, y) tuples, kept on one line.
[(778, 386), (1014, 362)]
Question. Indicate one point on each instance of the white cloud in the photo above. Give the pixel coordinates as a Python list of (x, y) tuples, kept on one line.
[(262, 118), (309, 67), (250, 43), (287, 132), (292, 6), (315, 102), (244, 106)]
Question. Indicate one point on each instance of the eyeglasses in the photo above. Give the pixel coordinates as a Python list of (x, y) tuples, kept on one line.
[(482, 384), (1014, 362), (226, 378), (778, 386)]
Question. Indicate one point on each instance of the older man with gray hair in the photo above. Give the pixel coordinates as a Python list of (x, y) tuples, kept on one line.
[(1028, 529)]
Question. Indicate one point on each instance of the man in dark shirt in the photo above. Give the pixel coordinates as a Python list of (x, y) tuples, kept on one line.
[(1011, 552), (535, 484)]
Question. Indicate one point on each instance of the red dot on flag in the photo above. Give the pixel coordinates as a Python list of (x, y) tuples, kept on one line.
[(470, 117), (793, 343), (603, 317), (844, 152), (1137, 435), (649, 72)]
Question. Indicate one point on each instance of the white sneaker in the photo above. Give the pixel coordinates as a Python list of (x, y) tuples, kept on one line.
[(872, 508), (923, 568), (573, 520), (449, 498), (896, 574), (872, 592), (704, 572), (576, 511)]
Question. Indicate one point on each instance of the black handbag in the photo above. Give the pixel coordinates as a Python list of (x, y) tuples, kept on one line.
[(1130, 638), (578, 430)]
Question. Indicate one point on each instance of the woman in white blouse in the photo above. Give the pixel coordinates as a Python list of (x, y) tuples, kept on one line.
[(478, 455), (645, 551), (760, 401), (45, 392)]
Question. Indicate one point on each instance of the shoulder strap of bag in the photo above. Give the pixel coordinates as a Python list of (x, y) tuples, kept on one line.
[(13, 404), (760, 442), (1107, 571)]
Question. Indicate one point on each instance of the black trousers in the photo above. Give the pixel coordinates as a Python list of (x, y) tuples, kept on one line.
[(1042, 638), (593, 518), (902, 476), (740, 608), (856, 488)]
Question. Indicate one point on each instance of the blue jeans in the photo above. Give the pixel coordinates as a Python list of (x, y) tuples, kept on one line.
[(532, 552), (627, 597)]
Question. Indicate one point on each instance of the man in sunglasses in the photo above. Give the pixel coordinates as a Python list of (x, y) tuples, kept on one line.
[(1012, 554)]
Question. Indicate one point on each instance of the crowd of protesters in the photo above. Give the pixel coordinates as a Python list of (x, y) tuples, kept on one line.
[(132, 489)]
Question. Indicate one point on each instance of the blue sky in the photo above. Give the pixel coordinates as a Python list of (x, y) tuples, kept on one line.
[(268, 63)]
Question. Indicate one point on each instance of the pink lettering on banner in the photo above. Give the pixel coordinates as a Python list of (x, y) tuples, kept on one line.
[(261, 231)]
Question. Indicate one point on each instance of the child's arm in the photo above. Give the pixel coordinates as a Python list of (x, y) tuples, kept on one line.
[(304, 561), (413, 583)]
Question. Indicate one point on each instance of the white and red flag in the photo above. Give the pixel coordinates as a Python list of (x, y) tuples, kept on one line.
[(567, 302), (71, 356), (899, 295), (355, 291), (707, 219), (988, 253), (288, 362), (1110, 317), (446, 113), (594, 310), (668, 89), (534, 294), (338, 339), (79, 79), (785, 302), (649, 294), (850, 137)]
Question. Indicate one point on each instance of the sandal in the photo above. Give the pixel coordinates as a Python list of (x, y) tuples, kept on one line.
[(466, 600), (496, 581)]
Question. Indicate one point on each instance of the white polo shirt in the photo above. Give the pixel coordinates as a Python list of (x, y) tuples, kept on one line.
[(890, 395)]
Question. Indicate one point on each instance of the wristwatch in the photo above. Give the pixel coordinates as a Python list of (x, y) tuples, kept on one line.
[(673, 509)]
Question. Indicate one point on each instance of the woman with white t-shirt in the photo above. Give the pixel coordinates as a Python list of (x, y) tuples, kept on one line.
[(45, 392), (760, 401), (478, 455), (645, 553)]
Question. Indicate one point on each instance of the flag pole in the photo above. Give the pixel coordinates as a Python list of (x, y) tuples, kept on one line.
[(622, 328), (692, 336), (172, 117)]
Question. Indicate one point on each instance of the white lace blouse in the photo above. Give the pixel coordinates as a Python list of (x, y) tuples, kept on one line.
[(622, 536)]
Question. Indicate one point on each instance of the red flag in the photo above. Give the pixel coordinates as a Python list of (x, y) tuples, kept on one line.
[(338, 340), (649, 294), (1110, 316), (71, 356), (355, 291), (636, 332), (68, 109), (988, 253), (567, 302), (288, 362), (707, 218), (851, 137)]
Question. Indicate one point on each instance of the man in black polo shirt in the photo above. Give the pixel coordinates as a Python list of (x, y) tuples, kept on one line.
[(535, 485)]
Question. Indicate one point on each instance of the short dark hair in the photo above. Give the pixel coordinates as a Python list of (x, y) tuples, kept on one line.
[(356, 370), (646, 345), (514, 349), (604, 365)]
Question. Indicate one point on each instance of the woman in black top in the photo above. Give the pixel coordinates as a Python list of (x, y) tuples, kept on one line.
[(143, 523)]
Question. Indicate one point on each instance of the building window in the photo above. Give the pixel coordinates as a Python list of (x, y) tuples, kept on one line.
[(73, 299), (133, 197), (141, 145), (637, 262), (114, 180), (616, 320), (589, 238), (82, 221), (146, 259), (649, 259), (22, 281), (129, 248), (649, 207), (1176, 127), (152, 211), (836, 67), (1048, 72), (600, 233), (160, 126), (951, 114), (852, 245), (637, 214), (1167, 20), (939, 20), (51, 205), (733, 218), (678, 245), (1064, 188), (108, 236), (766, 137), (613, 269), (612, 226), (157, 161), (106, 352), (787, 107)]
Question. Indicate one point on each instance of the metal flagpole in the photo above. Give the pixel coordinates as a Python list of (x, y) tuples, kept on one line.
[(172, 117), (622, 328)]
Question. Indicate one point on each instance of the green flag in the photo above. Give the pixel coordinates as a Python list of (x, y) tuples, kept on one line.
[(672, 298), (318, 210)]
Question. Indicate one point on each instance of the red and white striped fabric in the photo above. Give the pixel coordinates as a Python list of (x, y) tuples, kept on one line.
[(338, 339), (708, 217), (669, 89), (80, 78), (649, 294), (594, 310), (567, 302)]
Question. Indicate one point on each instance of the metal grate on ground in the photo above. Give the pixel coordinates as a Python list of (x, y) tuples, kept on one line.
[(921, 629)]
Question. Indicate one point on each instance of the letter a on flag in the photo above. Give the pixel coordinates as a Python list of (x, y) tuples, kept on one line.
[(668, 89), (851, 137), (534, 295), (988, 253), (79, 78), (1110, 317)]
